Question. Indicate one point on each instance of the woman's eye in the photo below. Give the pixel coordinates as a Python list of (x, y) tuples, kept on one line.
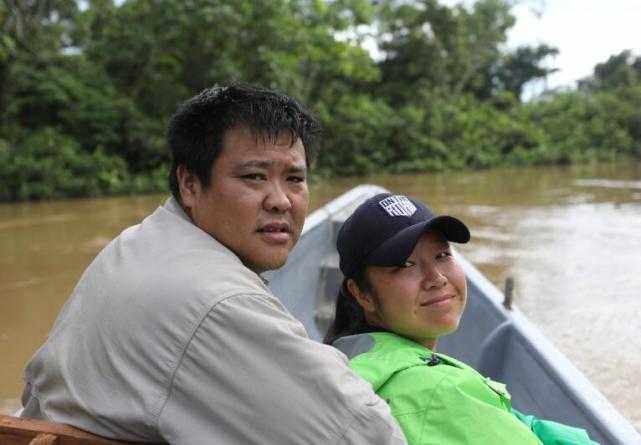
[(444, 255), (401, 267)]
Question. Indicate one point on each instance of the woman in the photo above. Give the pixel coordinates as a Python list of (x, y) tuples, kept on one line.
[(402, 290)]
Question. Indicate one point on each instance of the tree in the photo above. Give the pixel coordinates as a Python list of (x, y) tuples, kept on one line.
[(32, 32), (620, 70), (93, 82), (524, 65), (451, 49), (181, 47)]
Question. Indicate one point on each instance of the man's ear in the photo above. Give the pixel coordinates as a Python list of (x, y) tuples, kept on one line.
[(364, 299), (188, 185)]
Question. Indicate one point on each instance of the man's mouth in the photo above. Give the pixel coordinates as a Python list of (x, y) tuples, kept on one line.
[(275, 233), (275, 228)]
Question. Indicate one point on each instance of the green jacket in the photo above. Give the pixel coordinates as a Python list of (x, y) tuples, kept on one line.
[(439, 400)]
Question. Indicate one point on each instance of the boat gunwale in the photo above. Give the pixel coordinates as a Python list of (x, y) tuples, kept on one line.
[(605, 418), (557, 365)]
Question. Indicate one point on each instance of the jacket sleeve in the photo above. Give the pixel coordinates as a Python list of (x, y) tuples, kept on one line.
[(249, 374), (553, 433)]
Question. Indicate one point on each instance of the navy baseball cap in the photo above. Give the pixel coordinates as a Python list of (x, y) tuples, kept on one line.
[(383, 231)]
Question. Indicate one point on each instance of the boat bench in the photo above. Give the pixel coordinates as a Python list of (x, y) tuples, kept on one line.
[(21, 431)]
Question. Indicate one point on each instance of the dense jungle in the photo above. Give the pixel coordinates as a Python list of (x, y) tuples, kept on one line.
[(87, 87)]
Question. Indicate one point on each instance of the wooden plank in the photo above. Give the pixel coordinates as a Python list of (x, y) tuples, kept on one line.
[(20, 431), (45, 439)]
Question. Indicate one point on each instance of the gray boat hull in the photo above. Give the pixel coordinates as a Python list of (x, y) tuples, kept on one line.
[(500, 343)]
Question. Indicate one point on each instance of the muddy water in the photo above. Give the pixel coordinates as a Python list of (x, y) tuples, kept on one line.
[(570, 237)]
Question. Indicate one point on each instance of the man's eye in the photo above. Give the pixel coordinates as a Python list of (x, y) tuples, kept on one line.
[(296, 179), (446, 254), (254, 176)]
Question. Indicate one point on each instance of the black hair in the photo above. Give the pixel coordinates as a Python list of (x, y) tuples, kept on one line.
[(349, 317), (195, 133)]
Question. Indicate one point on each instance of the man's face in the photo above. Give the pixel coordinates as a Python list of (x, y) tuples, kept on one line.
[(257, 200)]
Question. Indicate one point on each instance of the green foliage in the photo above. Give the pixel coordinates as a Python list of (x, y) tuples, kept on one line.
[(444, 133), (356, 140), (580, 126), (47, 164), (86, 88), (619, 71), (428, 45), (522, 66)]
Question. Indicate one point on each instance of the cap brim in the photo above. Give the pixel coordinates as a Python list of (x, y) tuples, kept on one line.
[(398, 248)]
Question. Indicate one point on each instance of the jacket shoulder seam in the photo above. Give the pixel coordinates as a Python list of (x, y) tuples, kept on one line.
[(183, 350)]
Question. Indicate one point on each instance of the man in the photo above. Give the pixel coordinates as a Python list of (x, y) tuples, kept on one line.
[(171, 335)]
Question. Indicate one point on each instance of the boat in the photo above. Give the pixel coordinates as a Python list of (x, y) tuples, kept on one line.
[(19, 431), (494, 336)]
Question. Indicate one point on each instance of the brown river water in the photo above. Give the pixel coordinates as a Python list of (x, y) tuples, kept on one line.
[(569, 236)]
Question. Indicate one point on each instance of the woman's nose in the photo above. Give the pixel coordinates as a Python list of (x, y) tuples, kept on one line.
[(434, 278)]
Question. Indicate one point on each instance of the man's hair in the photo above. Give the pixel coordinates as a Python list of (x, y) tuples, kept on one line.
[(196, 130)]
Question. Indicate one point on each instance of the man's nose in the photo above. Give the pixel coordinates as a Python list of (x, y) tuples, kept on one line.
[(277, 198)]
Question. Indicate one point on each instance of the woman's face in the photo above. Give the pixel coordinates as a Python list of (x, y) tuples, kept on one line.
[(424, 298)]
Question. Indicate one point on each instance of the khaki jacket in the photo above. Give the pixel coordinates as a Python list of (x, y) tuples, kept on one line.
[(169, 337)]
